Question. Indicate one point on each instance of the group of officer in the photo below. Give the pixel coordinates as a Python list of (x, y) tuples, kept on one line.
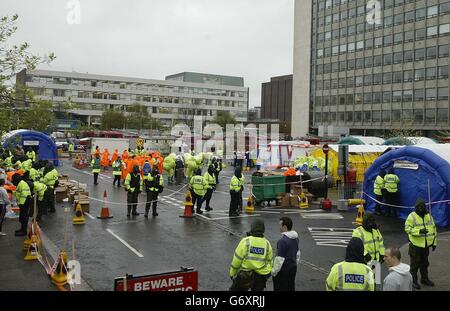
[(386, 190), (30, 178)]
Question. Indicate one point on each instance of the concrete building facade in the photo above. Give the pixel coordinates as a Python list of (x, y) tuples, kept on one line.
[(374, 65), (171, 101)]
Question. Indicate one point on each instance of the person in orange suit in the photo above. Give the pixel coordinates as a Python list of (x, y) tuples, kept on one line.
[(105, 158), (125, 155), (114, 156)]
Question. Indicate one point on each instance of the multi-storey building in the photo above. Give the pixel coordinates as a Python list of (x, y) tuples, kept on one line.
[(276, 101), (170, 100), (371, 70)]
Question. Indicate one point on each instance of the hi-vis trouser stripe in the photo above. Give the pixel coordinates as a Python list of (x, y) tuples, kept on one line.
[(367, 279)]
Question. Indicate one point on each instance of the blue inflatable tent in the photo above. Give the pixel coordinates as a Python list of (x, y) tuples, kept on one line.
[(45, 146), (415, 166)]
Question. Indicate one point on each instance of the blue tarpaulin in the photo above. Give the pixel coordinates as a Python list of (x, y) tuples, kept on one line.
[(414, 166), (45, 146)]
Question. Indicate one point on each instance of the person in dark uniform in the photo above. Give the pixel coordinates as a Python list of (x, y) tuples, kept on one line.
[(133, 185), (154, 185)]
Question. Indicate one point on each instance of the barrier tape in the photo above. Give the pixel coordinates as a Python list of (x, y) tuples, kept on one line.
[(403, 206)]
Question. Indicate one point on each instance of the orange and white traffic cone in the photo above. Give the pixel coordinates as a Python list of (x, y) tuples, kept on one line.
[(104, 214), (188, 206)]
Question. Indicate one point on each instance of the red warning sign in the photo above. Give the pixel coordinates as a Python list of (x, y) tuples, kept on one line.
[(184, 280)]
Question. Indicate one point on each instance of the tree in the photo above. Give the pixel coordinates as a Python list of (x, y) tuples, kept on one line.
[(39, 116), (139, 118), (112, 119), (12, 60), (223, 118)]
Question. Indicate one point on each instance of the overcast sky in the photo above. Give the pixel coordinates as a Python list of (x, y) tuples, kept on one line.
[(154, 38)]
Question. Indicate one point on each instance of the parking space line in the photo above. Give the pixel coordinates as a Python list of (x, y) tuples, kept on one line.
[(89, 215), (125, 243)]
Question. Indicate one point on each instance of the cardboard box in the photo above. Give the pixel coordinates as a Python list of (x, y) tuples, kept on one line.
[(294, 200), (285, 201), (296, 190), (61, 194)]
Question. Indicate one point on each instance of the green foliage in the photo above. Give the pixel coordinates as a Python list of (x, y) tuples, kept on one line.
[(223, 118), (39, 116), (112, 119), (139, 118)]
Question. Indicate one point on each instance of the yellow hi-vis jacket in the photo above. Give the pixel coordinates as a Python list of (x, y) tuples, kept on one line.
[(35, 175), (390, 182), (95, 163), (27, 165), (22, 192), (31, 155), (378, 185), (117, 168), (50, 178), (199, 185), (413, 225), (350, 276), (373, 242), (252, 254), (40, 189), (211, 180), (237, 183)]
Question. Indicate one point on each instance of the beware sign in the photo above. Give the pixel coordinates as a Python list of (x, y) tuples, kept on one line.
[(183, 280)]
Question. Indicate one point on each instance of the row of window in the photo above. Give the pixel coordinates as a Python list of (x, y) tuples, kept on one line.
[(328, 4), (389, 20), (429, 94), (134, 86), (388, 40), (431, 73), (387, 59), (407, 36), (416, 116)]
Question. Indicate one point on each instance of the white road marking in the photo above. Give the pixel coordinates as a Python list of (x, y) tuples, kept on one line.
[(335, 237), (89, 215), (322, 216), (125, 243), (230, 217)]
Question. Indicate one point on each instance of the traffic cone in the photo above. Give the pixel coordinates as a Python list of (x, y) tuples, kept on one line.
[(59, 275), (33, 228), (104, 214), (188, 206), (78, 219), (250, 208), (360, 216), (33, 249), (303, 201)]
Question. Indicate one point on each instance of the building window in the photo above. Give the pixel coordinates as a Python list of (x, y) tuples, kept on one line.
[(368, 62), (399, 2), (388, 4), (344, 32), (357, 116), (328, 35), (443, 93), (350, 64), (387, 40), (386, 116), (369, 43), (328, 20), (431, 52), (343, 48), (388, 21), (368, 80), (342, 84), (408, 76), (387, 59), (378, 42), (408, 56), (443, 72), (327, 52), (350, 82), (367, 98), (387, 97), (335, 67), (396, 115), (351, 12), (351, 30), (398, 38), (336, 18), (419, 54), (410, 16), (376, 116), (335, 34), (432, 11), (419, 74), (335, 50), (432, 31), (409, 36), (358, 80), (419, 94), (359, 63), (367, 116), (358, 99), (387, 78), (349, 116), (361, 10), (321, 21), (377, 60), (344, 15), (430, 115), (397, 96), (406, 115), (418, 116), (431, 73), (398, 19), (377, 97), (397, 77), (430, 94), (442, 115), (398, 57), (342, 99), (351, 47), (350, 99), (443, 50), (377, 78), (407, 95), (421, 14), (444, 29), (342, 65), (444, 8), (360, 28), (420, 34)]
